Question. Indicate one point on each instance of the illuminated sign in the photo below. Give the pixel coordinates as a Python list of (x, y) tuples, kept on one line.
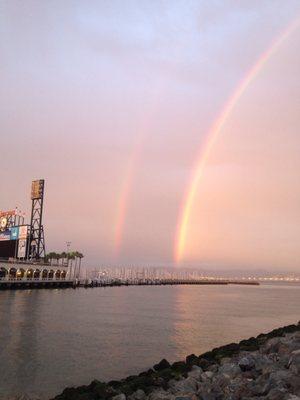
[(3, 223), (9, 213), (23, 231), (22, 248), (14, 233), (4, 236), (37, 189)]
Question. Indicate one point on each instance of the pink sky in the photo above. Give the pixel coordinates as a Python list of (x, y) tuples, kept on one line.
[(81, 83)]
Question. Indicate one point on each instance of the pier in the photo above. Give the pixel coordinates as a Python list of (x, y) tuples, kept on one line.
[(164, 282), (33, 275)]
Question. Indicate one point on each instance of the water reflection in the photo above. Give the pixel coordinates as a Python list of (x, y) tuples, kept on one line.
[(210, 316), (50, 339), (19, 339)]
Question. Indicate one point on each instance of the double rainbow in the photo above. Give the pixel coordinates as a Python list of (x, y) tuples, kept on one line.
[(212, 136)]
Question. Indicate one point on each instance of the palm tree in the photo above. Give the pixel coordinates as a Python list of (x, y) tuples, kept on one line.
[(63, 257), (54, 256), (51, 256), (80, 256), (71, 257)]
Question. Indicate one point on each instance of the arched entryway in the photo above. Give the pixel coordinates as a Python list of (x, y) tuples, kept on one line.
[(29, 273), (51, 274), (12, 273), (20, 273), (3, 272), (63, 275), (36, 274), (44, 274), (57, 274)]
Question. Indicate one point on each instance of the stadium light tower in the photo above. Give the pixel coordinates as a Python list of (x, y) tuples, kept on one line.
[(37, 239)]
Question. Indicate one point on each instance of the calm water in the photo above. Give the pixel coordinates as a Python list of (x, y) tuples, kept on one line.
[(50, 339)]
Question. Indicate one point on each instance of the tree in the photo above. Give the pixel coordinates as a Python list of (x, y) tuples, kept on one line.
[(63, 257), (71, 257), (80, 255)]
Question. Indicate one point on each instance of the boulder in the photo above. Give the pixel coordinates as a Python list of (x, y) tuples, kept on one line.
[(230, 370), (251, 344), (163, 364), (192, 359), (120, 396), (196, 372), (294, 362), (184, 398), (138, 395), (276, 394), (246, 363), (204, 363), (184, 386), (161, 395), (180, 366), (207, 375), (271, 345)]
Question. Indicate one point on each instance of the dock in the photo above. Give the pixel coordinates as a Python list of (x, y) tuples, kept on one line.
[(35, 284), (164, 282)]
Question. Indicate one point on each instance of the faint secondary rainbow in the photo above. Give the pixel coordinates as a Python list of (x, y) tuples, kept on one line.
[(131, 170), (213, 133), (123, 200)]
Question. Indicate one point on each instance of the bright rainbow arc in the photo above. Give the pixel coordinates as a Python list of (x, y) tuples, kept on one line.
[(212, 136)]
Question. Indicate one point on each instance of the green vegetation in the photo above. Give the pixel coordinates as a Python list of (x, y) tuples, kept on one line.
[(64, 259)]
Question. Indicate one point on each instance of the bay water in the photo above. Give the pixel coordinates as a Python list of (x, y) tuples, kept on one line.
[(54, 338)]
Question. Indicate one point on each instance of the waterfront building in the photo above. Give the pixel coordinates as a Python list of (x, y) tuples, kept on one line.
[(23, 262)]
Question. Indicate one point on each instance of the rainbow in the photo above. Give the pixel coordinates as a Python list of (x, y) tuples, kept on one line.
[(123, 200), (131, 170), (212, 136)]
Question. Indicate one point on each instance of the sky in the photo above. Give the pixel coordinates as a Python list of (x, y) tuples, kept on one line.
[(112, 102)]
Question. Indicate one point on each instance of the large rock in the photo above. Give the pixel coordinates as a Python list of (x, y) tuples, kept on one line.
[(184, 386), (277, 394), (163, 364), (294, 362), (285, 379), (137, 395), (247, 363), (196, 372), (207, 375), (230, 370), (204, 363), (192, 359), (161, 395), (180, 366), (120, 396)]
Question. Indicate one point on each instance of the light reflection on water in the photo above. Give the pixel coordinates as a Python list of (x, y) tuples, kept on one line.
[(50, 339)]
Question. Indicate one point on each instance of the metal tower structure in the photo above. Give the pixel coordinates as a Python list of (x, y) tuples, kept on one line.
[(37, 239)]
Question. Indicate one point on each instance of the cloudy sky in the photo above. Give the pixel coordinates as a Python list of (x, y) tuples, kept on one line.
[(111, 103)]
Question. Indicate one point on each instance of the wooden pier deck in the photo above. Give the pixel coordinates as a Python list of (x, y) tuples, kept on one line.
[(34, 284), (14, 284), (167, 282)]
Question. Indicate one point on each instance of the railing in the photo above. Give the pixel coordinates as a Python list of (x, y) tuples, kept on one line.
[(25, 262), (9, 279)]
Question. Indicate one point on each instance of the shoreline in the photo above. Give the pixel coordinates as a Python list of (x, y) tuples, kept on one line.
[(262, 367)]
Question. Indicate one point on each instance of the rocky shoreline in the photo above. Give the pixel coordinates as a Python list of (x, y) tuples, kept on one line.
[(265, 367)]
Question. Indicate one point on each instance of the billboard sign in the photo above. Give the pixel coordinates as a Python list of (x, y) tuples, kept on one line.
[(14, 233), (23, 231), (9, 213), (4, 236), (37, 189), (22, 248)]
